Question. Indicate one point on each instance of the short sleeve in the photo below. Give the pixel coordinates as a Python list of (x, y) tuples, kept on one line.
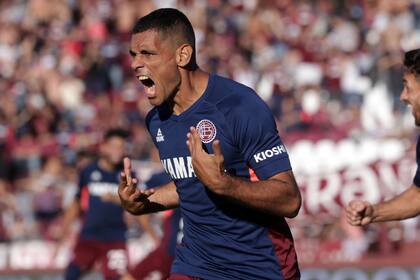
[(259, 141), (158, 179), (416, 179)]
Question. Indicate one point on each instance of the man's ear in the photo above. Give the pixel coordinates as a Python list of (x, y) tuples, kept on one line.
[(184, 55)]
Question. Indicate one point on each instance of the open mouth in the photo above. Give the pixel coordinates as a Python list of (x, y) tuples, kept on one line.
[(149, 85)]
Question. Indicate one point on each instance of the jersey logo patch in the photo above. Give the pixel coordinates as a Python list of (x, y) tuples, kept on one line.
[(207, 131), (96, 176), (159, 136)]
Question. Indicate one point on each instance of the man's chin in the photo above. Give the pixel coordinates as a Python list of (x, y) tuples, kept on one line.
[(154, 101), (417, 121)]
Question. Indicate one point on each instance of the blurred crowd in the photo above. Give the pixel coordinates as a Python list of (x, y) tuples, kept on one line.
[(328, 69)]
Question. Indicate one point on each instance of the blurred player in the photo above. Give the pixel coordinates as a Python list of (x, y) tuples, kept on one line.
[(157, 264), (102, 237), (233, 203), (406, 204)]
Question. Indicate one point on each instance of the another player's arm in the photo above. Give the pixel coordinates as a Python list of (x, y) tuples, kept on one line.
[(144, 221), (138, 202), (70, 215), (278, 195), (403, 206)]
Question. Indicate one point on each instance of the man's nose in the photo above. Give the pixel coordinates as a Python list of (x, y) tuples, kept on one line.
[(137, 62), (403, 95)]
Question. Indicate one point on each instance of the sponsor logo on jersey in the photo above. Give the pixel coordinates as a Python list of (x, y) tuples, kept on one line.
[(102, 188), (96, 175), (179, 167), (159, 136), (277, 150), (207, 131)]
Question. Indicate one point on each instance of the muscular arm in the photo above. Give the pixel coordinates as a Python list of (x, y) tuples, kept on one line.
[(163, 198), (70, 215), (405, 205), (279, 195)]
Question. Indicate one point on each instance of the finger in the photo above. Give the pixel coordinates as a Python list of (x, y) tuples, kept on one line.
[(123, 182), (139, 195), (190, 143), (196, 143), (217, 150), (360, 207), (124, 189), (365, 221), (127, 170)]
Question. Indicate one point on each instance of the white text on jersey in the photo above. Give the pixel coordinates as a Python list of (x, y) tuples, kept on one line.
[(179, 167), (277, 150), (102, 188)]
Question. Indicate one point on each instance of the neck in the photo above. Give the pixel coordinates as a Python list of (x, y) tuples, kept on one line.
[(192, 87), (105, 164)]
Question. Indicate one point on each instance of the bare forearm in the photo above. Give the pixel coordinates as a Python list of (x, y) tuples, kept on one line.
[(164, 198), (144, 221), (274, 196), (70, 215), (403, 206)]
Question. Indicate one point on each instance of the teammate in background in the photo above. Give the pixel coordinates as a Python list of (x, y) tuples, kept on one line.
[(157, 264), (233, 179), (406, 204), (102, 236)]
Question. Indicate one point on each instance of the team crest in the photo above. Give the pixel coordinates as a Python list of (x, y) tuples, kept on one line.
[(207, 131)]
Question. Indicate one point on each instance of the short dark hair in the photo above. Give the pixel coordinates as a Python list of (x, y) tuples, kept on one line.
[(167, 21), (116, 132), (412, 62)]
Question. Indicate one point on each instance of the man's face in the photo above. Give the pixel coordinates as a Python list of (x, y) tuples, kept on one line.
[(154, 64), (113, 149), (411, 95)]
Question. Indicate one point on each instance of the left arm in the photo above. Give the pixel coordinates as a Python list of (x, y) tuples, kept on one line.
[(277, 195)]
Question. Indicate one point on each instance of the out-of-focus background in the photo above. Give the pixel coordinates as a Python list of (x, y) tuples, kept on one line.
[(329, 70)]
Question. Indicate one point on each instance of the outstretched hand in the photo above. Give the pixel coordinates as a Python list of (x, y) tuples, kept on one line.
[(209, 168), (132, 198), (359, 213)]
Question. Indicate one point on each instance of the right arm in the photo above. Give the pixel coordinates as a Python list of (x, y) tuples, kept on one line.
[(145, 223), (138, 202), (70, 215), (403, 206)]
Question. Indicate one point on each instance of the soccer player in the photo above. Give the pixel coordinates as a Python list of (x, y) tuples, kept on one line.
[(406, 204), (218, 141), (102, 236)]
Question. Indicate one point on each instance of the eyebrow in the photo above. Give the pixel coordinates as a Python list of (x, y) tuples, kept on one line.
[(143, 51)]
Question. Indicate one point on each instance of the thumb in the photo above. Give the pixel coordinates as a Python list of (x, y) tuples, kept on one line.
[(358, 206)]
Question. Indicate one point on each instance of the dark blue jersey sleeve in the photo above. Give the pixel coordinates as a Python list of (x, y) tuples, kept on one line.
[(258, 139), (416, 180), (157, 180)]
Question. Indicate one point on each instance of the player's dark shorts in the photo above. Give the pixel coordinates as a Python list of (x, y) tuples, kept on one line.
[(110, 255), (157, 265)]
